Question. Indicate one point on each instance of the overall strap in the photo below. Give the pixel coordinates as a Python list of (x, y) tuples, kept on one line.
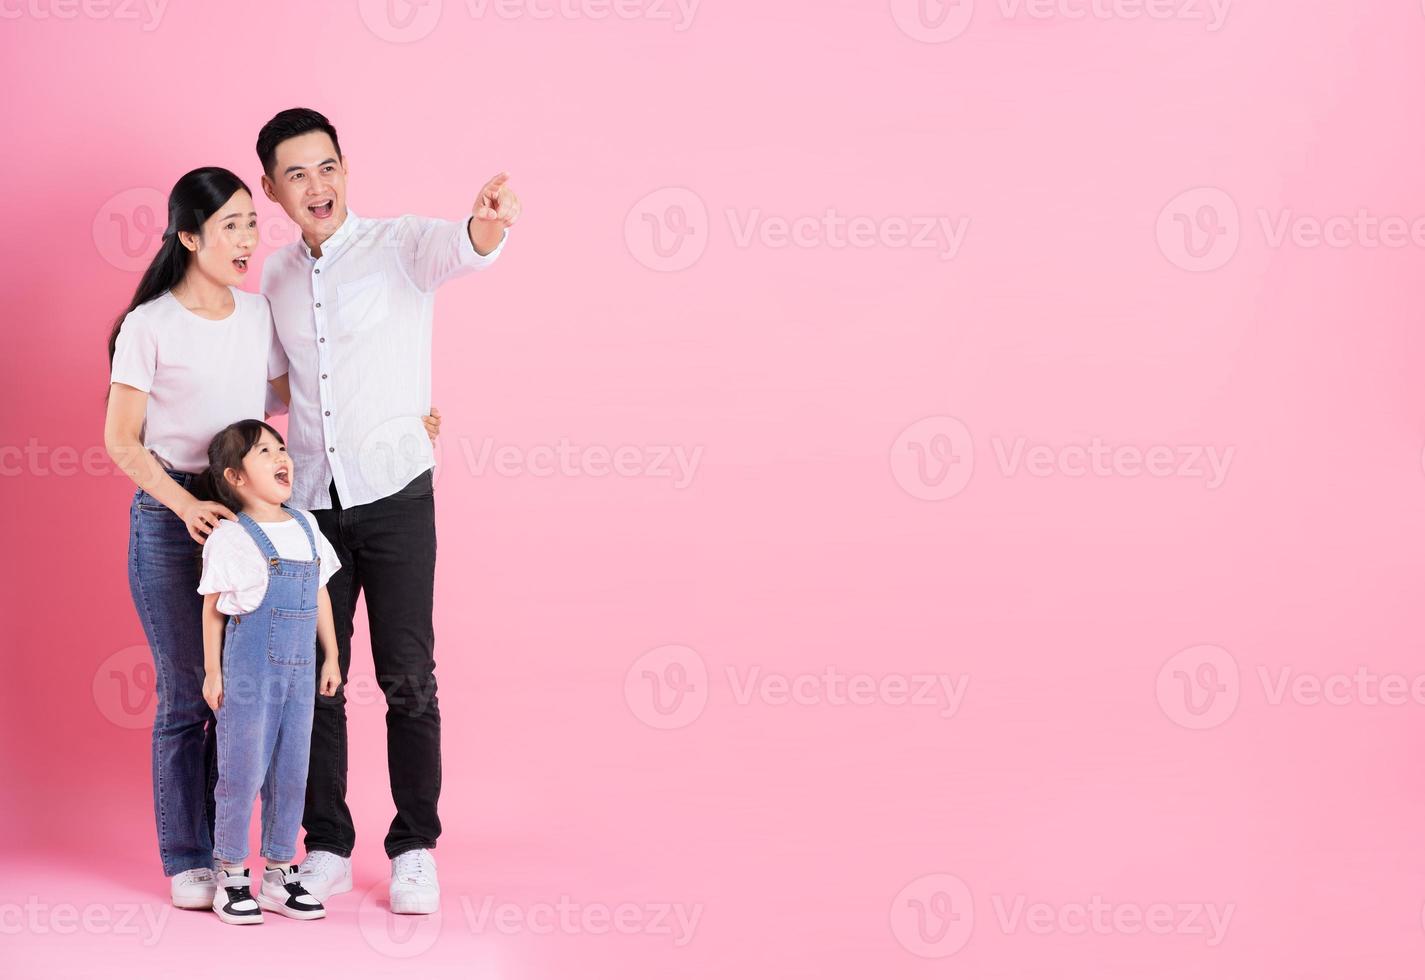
[(302, 520), (264, 543)]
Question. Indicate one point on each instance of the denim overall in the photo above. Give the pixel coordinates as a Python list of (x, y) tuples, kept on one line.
[(265, 721)]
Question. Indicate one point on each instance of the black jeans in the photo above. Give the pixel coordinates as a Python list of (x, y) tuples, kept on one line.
[(387, 549)]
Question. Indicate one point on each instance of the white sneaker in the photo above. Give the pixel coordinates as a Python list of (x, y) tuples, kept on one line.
[(325, 874), (193, 889), (283, 892), (414, 888), (232, 899)]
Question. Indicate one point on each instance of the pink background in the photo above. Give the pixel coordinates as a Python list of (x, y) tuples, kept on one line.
[(812, 839)]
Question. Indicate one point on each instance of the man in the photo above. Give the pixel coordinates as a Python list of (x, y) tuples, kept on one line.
[(353, 304)]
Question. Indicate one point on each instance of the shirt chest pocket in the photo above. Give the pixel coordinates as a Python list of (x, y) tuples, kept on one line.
[(363, 303)]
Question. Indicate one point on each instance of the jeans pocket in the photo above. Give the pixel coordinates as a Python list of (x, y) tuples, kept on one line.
[(292, 637), (148, 503)]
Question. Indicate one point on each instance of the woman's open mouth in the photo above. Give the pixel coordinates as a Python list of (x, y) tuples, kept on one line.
[(321, 209), (283, 477), (240, 263)]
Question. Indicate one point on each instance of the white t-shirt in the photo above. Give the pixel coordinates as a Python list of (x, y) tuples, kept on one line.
[(234, 568), (201, 375)]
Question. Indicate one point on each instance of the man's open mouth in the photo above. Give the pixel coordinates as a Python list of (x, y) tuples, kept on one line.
[(284, 478), (321, 209), (240, 263)]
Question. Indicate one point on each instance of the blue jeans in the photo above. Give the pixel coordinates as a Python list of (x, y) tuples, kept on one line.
[(164, 565), (265, 720)]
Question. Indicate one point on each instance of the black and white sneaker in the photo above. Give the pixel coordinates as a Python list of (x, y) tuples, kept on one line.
[(282, 892), (233, 900)]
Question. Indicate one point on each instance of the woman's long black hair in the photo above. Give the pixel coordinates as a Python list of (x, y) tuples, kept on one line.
[(194, 199)]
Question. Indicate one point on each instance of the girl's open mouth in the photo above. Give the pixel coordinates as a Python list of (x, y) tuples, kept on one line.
[(322, 209), (283, 477), (240, 263)]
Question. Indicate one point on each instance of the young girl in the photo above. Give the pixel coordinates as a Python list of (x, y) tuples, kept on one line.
[(265, 605)]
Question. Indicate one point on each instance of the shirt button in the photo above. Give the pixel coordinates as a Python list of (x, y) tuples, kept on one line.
[(324, 377), (321, 340), (317, 271), (319, 306), (327, 413), (331, 449)]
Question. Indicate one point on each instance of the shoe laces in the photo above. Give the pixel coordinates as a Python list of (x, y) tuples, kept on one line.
[(318, 863), (414, 867)]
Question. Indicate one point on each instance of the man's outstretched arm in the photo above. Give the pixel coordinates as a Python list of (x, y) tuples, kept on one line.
[(435, 250)]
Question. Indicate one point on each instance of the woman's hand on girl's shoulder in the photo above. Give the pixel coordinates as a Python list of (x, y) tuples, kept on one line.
[(202, 518)]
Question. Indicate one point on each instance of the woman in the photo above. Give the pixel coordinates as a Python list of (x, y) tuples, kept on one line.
[(191, 354)]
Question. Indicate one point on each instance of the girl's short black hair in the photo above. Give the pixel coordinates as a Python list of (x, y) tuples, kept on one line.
[(227, 450), (287, 124)]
